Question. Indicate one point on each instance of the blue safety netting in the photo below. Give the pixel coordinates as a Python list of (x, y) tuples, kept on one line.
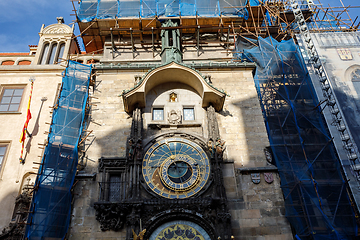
[(316, 196), (104, 9), (51, 204)]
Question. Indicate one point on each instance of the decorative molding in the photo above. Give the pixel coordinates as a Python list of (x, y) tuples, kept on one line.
[(57, 29), (174, 117)]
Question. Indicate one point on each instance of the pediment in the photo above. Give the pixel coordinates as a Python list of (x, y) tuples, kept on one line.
[(57, 29)]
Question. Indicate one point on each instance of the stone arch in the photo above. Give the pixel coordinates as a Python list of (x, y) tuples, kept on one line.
[(180, 214), (173, 72), (57, 29)]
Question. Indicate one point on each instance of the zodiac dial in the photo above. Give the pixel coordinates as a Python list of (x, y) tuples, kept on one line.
[(179, 229), (175, 168)]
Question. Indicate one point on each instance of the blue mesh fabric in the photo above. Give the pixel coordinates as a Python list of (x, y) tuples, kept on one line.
[(51, 204), (316, 200), (101, 9)]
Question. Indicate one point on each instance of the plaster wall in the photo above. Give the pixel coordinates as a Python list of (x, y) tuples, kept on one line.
[(12, 173)]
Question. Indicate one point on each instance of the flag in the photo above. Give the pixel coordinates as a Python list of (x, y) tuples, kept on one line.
[(28, 117)]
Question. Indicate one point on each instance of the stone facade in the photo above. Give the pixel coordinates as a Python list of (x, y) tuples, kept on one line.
[(256, 208)]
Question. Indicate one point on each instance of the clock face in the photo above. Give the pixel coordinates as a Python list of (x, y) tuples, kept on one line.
[(175, 168), (179, 230)]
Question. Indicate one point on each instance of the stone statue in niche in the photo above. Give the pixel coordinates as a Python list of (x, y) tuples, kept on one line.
[(268, 155), (174, 117), (216, 147), (131, 148), (220, 147), (173, 97), (139, 150)]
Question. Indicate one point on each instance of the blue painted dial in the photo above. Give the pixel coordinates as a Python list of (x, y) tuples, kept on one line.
[(175, 168)]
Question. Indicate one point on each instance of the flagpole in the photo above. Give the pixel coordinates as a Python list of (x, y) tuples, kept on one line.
[(28, 117)]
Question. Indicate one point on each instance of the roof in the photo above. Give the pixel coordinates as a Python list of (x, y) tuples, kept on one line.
[(14, 54)]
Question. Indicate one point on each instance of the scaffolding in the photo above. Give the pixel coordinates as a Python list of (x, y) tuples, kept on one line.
[(50, 209), (318, 200)]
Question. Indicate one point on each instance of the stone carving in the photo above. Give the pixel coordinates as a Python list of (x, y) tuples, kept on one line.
[(220, 147), (110, 216), (105, 163), (57, 29), (213, 127), (16, 229), (268, 155), (174, 117), (255, 178), (269, 178)]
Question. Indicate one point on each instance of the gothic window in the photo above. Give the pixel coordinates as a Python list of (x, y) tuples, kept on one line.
[(61, 53), (189, 114), (44, 53), (355, 75), (158, 114), (10, 99), (52, 53), (115, 187)]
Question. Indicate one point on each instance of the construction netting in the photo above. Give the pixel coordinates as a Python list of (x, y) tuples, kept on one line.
[(316, 196), (111, 9), (51, 204)]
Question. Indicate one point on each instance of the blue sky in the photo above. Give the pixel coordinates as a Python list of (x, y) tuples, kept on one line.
[(21, 20)]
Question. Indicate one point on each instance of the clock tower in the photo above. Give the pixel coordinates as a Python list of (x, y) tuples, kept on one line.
[(170, 184)]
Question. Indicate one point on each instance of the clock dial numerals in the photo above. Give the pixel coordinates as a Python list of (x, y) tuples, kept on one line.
[(175, 168)]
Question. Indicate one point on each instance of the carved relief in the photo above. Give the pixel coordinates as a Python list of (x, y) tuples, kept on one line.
[(174, 117), (57, 29)]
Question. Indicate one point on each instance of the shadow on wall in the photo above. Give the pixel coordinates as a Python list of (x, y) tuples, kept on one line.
[(255, 134), (350, 107)]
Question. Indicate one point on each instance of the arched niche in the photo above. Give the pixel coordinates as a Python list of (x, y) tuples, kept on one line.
[(177, 73)]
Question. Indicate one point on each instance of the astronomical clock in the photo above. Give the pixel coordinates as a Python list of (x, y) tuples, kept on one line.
[(170, 184), (175, 168)]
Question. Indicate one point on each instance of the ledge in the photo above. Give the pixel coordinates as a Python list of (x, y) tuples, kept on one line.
[(271, 168)]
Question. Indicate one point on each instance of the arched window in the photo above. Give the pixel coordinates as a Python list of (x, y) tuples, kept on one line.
[(61, 53), (24, 62), (52, 53), (44, 53), (8, 62)]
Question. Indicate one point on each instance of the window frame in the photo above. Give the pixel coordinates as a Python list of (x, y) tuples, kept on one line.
[(44, 53), (7, 149), (59, 54), (189, 107), (157, 108), (12, 86), (52, 53)]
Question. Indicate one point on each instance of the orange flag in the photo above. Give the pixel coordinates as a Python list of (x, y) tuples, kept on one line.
[(28, 117)]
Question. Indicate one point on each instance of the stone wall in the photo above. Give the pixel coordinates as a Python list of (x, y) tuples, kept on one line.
[(257, 209)]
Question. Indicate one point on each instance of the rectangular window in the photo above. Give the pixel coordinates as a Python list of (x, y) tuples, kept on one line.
[(189, 114), (115, 187), (3, 148), (158, 114), (10, 99)]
